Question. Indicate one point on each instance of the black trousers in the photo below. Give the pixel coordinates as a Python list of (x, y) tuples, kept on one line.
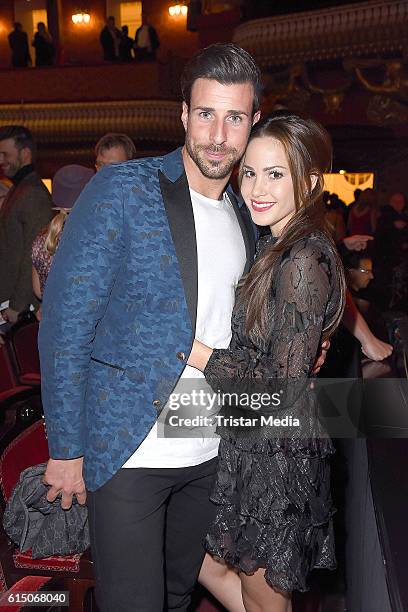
[(147, 528)]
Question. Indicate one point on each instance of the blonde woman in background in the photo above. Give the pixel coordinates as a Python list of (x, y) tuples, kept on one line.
[(67, 184)]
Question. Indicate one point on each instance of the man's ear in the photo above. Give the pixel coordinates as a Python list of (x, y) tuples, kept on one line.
[(184, 115), (256, 117), (26, 155)]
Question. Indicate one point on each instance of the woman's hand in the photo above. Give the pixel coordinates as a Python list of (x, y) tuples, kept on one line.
[(357, 242), (375, 349), (199, 356), (321, 358)]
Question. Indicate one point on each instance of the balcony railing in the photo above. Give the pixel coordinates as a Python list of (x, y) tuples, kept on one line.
[(81, 123), (366, 28)]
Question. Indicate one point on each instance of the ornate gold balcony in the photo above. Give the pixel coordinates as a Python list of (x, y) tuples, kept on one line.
[(81, 124), (366, 28)]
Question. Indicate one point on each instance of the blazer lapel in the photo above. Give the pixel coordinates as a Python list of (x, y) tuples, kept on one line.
[(247, 231), (179, 210)]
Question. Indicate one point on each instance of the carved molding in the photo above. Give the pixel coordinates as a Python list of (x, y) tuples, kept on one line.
[(356, 29), (84, 122)]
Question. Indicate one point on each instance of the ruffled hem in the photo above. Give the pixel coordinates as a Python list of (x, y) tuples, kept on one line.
[(275, 513), (283, 572)]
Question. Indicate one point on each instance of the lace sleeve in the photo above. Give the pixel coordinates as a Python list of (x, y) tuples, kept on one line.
[(302, 289)]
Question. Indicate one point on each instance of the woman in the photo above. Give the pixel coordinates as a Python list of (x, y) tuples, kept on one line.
[(67, 185), (362, 216), (273, 523)]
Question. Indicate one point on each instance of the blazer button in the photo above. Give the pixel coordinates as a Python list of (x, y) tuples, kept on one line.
[(156, 403), (181, 356)]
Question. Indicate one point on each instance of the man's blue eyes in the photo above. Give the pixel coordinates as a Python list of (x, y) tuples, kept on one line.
[(235, 119)]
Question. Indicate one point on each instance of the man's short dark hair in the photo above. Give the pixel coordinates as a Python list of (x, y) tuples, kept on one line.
[(226, 63), (352, 259), (116, 140), (21, 135)]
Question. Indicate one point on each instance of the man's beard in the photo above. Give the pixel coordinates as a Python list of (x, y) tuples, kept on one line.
[(12, 169), (213, 169)]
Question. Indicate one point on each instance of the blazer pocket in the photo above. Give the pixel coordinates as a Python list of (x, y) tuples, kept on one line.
[(110, 365)]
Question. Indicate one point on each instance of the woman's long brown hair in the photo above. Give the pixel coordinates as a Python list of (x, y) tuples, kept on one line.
[(308, 150)]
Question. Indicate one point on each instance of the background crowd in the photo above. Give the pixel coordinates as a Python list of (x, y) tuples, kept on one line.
[(116, 45)]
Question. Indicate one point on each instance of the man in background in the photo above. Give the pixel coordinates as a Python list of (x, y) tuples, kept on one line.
[(110, 39), (18, 41), (25, 210), (113, 149), (146, 41)]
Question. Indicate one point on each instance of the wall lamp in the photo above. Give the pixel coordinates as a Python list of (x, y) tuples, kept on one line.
[(81, 18), (178, 9)]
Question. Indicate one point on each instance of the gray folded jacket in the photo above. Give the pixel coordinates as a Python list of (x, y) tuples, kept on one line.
[(33, 522)]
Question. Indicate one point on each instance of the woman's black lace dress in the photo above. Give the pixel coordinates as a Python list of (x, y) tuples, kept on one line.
[(273, 485)]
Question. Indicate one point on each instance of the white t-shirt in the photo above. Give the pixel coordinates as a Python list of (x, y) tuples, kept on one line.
[(221, 260)]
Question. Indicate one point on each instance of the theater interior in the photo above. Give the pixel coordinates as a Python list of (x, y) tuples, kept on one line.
[(345, 65)]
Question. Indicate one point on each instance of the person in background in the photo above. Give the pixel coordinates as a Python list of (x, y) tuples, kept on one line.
[(391, 254), (110, 39), (146, 41), (43, 45), (18, 41), (25, 210), (356, 193), (334, 216), (362, 216), (113, 149), (126, 46), (67, 184), (359, 267)]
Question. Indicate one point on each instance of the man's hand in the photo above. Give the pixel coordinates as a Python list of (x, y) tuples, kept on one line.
[(376, 349), (321, 357), (10, 315), (65, 476), (358, 242)]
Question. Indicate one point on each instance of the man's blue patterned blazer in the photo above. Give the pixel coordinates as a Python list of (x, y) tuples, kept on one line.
[(119, 311)]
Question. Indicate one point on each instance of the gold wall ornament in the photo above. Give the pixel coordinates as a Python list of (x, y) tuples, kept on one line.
[(333, 96), (284, 88), (333, 102), (383, 110), (395, 81)]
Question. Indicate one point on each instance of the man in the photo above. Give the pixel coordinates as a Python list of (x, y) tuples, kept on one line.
[(149, 259), (25, 211), (18, 42), (359, 267), (146, 41), (113, 149), (126, 46), (110, 39)]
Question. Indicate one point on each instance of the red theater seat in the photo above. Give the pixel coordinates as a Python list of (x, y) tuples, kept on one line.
[(24, 342), (26, 449), (10, 386)]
